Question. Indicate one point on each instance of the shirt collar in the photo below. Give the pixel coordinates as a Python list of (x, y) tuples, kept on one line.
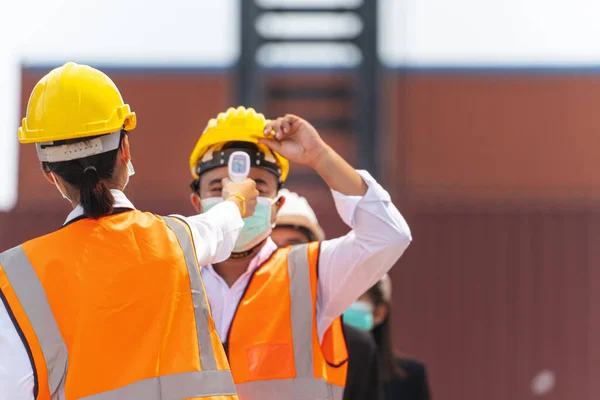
[(263, 254), (121, 201)]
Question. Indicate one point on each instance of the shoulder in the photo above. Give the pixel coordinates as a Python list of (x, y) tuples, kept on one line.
[(310, 250), (311, 246), (179, 219), (278, 254), (48, 240), (411, 366)]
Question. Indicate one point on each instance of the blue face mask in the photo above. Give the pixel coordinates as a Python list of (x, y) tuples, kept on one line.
[(359, 315), (256, 227)]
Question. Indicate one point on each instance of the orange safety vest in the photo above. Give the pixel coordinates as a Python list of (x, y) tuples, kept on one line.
[(115, 309), (273, 345)]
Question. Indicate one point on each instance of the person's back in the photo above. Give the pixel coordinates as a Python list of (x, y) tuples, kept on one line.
[(119, 293), (121, 286)]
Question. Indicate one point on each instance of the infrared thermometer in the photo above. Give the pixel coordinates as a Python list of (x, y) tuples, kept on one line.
[(238, 166)]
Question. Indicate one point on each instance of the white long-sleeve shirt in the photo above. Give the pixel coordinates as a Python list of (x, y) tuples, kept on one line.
[(348, 265), (214, 234)]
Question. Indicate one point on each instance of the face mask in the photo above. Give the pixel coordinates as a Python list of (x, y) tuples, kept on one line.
[(359, 315), (58, 187), (130, 173), (130, 170), (256, 227)]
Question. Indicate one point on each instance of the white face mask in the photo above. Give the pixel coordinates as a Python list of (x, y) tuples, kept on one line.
[(130, 173), (257, 227), (58, 187)]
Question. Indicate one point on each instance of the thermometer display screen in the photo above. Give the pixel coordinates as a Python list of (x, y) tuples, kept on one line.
[(238, 166)]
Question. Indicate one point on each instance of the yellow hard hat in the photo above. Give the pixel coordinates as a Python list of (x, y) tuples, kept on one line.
[(236, 125), (74, 101)]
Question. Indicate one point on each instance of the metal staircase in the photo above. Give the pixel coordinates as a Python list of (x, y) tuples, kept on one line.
[(319, 62)]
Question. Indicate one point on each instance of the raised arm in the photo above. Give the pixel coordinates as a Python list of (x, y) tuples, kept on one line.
[(348, 265)]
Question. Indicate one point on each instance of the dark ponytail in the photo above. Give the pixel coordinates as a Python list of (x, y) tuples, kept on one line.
[(94, 196), (90, 175)]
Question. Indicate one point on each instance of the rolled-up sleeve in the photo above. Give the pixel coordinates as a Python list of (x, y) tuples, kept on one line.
[(215, 232), (351, 264)]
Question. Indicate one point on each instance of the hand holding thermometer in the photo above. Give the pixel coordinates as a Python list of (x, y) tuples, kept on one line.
[(238, 166)]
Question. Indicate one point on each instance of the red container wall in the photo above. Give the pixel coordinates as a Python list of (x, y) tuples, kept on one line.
[(496, 177), (491, 299)]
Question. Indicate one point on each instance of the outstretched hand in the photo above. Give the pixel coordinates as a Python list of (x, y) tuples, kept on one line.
[(243, 194)]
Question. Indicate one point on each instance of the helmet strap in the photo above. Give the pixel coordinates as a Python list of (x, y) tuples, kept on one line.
[(221, 158)]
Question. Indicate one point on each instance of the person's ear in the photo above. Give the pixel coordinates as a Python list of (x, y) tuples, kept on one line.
[(48, 176), (196, 203), (380, 313), (275, 209), (125, 153), (280, 203)]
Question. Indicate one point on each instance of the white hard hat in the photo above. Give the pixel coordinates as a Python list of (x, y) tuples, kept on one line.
[(297, 212), (385, 285)]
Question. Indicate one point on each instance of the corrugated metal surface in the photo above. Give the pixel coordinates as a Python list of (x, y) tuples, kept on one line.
[(489, 300), (492, 138)]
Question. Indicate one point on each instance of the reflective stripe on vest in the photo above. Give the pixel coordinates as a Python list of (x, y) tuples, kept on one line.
[(296, 389), (207, 355), (30, 292), (176, 386), (305, 386), (28, 288)]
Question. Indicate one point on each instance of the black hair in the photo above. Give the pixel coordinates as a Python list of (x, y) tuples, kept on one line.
[(382, 334), (89, 175)]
